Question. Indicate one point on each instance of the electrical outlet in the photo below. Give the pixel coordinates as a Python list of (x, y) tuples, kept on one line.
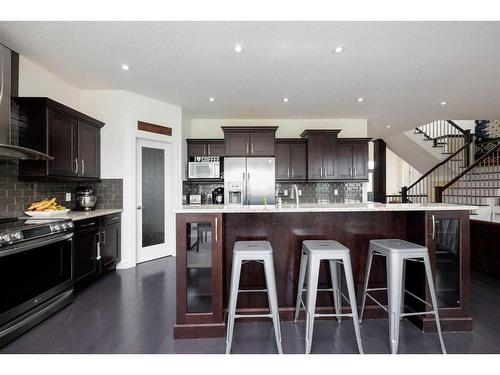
[(300, 193), (285, 193), (335, 191), (68, 197)]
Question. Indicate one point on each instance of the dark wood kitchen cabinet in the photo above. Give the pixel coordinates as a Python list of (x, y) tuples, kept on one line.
[(291, 159), (205, 147), (249, 141), (352, 158), (70, 137), (321, 154), (96, 247)]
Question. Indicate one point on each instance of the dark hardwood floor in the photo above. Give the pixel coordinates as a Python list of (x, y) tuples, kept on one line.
[(133, 311)]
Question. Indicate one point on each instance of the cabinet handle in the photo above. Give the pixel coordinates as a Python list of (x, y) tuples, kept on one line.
[(208, 149), (321, 172), (252, 148), (216, 229), (98, 247), (83, 167), (76, 165), (354, 172), (433, 227), (204, 149), (247, 147), (288, 172), (87, 225), (293, 174)]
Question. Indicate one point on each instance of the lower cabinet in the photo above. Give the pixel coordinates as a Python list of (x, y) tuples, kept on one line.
[(97, 247)]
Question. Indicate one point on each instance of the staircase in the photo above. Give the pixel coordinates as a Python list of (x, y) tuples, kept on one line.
[(457, 179)]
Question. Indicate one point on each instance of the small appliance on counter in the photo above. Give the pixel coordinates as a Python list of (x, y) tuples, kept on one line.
[(86, 198), (195, 199), (218, 195)]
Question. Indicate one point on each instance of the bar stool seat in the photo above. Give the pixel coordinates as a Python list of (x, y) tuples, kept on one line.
[(313, 252), (396, 253), (262, 252)]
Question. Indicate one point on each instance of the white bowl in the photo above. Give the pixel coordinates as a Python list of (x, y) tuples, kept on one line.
[(47, 213)]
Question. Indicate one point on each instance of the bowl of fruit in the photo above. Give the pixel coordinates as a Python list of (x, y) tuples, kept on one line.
[(46, 208)]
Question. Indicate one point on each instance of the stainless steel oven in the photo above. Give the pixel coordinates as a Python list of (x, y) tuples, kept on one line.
[(36, 279)]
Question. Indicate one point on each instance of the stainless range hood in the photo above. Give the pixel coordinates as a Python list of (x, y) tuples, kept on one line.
[(7, 150)]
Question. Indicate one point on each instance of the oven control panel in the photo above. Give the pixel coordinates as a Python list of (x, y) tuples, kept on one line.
[(30, 232)]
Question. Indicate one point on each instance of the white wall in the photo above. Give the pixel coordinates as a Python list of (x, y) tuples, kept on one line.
[(36, 81), (211, 128), (398, 173), (120, 110)]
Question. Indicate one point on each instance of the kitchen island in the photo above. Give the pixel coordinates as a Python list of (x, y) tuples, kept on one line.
[(206, 235)]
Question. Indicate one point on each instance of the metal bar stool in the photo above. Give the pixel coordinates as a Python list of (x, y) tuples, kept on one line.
[(396, 252), (313, 252), (253, 251)]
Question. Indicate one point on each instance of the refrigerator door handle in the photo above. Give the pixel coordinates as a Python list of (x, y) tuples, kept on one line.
[(249, 192)]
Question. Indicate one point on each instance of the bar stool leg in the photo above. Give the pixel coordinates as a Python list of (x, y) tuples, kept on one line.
[(272, 296), (335, 273), (394, 286), (312, 288), (352, 299), (430, 282), (403, 277), (365, 286), (300, 285), (233, 299)]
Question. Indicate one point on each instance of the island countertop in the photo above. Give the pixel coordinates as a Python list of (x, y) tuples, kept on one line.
[(334, 207)]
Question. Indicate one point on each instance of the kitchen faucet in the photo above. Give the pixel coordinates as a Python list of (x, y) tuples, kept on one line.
[(295, 190)]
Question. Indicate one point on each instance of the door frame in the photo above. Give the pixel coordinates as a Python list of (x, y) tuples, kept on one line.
[(169, 225)]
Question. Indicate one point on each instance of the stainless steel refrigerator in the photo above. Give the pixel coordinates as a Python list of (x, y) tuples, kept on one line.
[(249, 181)]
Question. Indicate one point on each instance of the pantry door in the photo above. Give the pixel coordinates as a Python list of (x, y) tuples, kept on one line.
[(153, 203)]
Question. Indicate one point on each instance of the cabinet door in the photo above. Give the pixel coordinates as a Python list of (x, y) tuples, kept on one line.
[(344, 161), (109, 245), (62, 144), (89, 150), (329, 156), (315, 157), (237, 143), (197, 149), (360, 161), (215, 149), (298, 161), (85, 247), (262, 143), (283, 161)]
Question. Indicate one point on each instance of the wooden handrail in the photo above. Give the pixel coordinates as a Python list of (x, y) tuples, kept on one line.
[(471, 167), (438, 165), (455, 126)]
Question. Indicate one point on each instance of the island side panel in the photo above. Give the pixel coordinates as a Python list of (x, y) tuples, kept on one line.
[(286, 231)]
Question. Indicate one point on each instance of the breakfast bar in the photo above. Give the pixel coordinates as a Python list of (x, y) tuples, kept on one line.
[(206, 236)]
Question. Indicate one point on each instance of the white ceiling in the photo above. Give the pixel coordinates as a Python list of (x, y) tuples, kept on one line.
[(403, 70)]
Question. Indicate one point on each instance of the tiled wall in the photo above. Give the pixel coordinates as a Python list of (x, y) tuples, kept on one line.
[(16, 195), (312, 192)]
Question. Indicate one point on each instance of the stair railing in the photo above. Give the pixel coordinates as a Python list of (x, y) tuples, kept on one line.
[(423, 189), (481, 178), (446, 134)]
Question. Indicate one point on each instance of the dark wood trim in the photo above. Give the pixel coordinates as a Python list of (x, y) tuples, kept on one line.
[(14, 74), (353, 140), (291, 140), (379, 170), (153, 128), (205, 140), (308, 132), (194, 331)]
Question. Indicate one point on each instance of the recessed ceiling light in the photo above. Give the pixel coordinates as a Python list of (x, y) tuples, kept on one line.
[(443, 103), (212, 99), (238, 48), (285, 100), (339, 49), (388, 126), (360, 100), (125, 67)]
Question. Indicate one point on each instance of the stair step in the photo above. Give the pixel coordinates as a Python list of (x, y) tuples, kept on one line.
[(483, 184), (476, 201), (473, 192)]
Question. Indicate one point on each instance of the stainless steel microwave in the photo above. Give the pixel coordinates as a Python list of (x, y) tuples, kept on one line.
[(204, 169)]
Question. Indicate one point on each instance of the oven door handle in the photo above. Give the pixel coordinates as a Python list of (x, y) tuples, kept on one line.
[(33, 245)]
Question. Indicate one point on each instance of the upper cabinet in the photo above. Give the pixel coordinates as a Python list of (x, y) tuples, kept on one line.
[(291, 159), (249, 141), (321, 154), (70, 137), (352, 158), (205, 147)]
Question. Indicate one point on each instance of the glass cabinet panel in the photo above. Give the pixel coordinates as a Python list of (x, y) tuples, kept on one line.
[(199, 267), (447, 239)]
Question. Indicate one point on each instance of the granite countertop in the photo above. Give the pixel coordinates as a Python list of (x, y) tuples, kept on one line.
[(337, 207), (82, 215)]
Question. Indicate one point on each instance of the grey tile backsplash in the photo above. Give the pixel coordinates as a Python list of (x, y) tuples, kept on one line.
[(312, 192), (16, 195)]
